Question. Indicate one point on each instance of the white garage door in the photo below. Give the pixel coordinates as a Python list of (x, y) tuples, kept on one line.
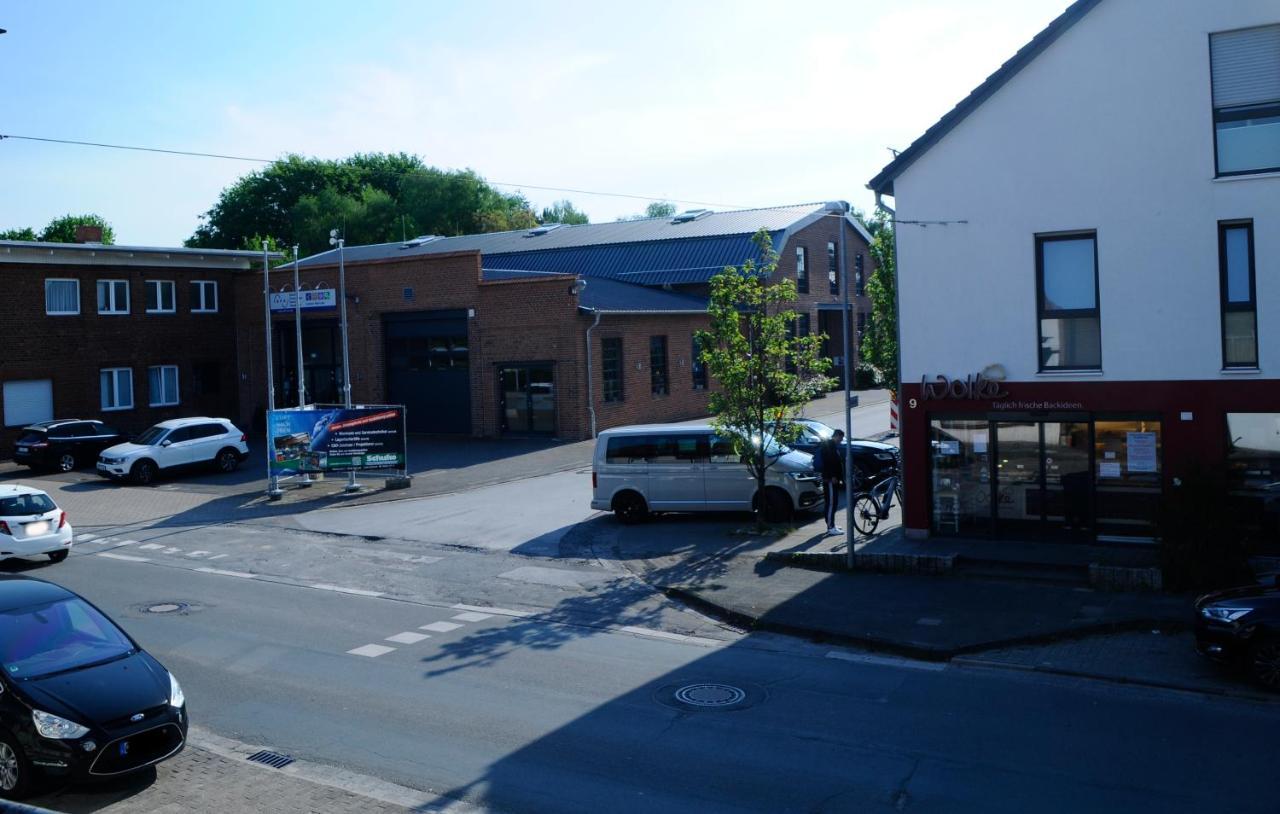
[(28, 402)]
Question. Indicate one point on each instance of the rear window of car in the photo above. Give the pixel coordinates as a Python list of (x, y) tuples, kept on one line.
[(25, 504), (31, 436), (57, 636)]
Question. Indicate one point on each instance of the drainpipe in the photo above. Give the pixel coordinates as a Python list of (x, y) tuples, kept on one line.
[(591, 398)]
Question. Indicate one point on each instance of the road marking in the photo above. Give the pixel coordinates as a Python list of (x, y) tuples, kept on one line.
[(196, 553), (342, 590), (677, 637), (124, 557), (372, 650), (498, 611), (223, 573), (440, 627), (408, 637), (150, 546), (86, 538), (173, 551), (126, 542), (217, 556), (473, 616), (886, 661)]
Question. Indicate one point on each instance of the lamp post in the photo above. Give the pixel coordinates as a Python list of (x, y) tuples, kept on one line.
[(839, 210), (305, 480), (351, 486), (273, 482)]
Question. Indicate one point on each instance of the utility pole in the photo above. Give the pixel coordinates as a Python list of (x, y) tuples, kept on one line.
[(273, 482), (351, 486), (305, 480)]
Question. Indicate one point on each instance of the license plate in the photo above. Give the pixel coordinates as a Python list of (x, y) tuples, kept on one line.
[(34, 529), (22, 448)]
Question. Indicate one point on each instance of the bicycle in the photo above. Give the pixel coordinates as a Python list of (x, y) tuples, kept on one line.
[(869, 508)]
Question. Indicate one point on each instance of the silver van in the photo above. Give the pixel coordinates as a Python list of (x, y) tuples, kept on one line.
[(687, 468)]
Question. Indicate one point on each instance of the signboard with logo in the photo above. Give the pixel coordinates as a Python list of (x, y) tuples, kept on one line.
[(313, 299), (336, 439)]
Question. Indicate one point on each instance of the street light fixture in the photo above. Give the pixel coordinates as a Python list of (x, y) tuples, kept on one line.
[(334, 240), (840, 210)]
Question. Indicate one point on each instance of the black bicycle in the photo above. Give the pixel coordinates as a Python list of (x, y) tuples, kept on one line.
[(869, 508)]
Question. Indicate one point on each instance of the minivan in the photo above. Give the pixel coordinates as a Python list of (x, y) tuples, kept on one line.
[(688, 468)]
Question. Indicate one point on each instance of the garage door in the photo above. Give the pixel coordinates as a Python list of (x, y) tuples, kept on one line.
[(26, 402), (429, 369)]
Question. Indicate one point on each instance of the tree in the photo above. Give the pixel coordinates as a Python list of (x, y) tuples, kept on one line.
[(765, 372), (880, 341), (563, 212), (63, 229), (25, 233), (657, 209)]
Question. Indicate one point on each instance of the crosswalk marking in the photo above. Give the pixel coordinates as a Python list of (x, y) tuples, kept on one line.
[(473, 616), (371, 650), (678, 637), (150, 546), (440, 627), (224, 573), (342, 590), (498, 611), (124, 557), (408, 637)]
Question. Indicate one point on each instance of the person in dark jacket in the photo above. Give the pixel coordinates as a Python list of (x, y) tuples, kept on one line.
[(830, 465)]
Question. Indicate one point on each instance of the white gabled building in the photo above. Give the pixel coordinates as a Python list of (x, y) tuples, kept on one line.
[(1110, 250)]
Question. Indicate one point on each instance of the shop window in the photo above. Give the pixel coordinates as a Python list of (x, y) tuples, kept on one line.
[(1067, 301), (1239, 295), (1253, 473), (961, 476), (611, 368), (1127, 465)]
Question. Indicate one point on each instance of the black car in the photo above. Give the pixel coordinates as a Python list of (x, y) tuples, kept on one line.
[(64, 444), (1242, 627), (79, 699), (874, 461)]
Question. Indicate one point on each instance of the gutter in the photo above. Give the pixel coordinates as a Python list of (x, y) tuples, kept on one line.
[(591, 397)]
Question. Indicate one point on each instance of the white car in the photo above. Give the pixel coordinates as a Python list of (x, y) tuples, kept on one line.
[(32, 524), (176, 444)]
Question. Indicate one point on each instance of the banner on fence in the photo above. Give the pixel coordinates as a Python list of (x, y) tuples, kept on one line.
[(336, 439)]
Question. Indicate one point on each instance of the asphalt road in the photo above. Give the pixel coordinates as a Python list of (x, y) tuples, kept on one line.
[(517, 713)]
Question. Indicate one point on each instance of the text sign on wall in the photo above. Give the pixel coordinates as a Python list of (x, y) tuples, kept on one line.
[(316, 299), (973, 386)]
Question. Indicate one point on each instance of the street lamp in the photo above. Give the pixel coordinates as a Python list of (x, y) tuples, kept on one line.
[(334, 240), (840, 209)]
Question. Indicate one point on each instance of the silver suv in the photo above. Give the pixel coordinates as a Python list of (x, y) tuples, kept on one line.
[(176, 444)]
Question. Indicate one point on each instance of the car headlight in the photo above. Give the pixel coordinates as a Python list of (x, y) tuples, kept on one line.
[(1223, 614), (176, 698), (884, 456), (51, 726), (802, 476)]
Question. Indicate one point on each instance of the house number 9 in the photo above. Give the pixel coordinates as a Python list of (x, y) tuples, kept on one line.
[(912, 404)]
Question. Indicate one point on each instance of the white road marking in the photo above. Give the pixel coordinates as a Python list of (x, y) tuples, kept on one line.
[(124, 557), (677, 637), (887, 661), (372, 650), (173, 550), (150, 546), (473, 616), (217, 556), (196, 553), (86, 538), (342, 590), (498, 611), (440, 627), (223, 573), (126, 542), (408, 637)]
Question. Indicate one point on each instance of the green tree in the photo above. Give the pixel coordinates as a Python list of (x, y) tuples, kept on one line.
[(25, 233), (766, 373), (563, 212), (657, 209), (880, 341), (63, 229), (368, 216)]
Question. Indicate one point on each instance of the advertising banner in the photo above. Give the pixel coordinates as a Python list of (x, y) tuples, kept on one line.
[(318, 299), (336, 439)]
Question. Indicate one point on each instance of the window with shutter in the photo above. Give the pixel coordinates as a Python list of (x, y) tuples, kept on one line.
[(1246, 99)]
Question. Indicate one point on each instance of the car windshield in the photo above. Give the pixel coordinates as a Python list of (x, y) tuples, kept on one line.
[(57, 636), (25, 504), (151, 436), (819, 429)]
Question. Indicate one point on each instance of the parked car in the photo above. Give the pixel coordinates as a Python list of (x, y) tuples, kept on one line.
[(79, 699), (64, 444), (179, 443), (687, 468), (1241, 626), (32, 524), (873, 460)]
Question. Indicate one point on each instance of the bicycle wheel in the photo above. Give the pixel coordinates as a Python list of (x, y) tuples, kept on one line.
[(866, 514)]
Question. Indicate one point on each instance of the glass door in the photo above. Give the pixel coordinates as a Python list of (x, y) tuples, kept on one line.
[(528, 399), (1068, 483), (961, 477), (1019, 489)]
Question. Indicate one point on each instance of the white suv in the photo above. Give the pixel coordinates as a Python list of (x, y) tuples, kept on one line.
[(175, 444)]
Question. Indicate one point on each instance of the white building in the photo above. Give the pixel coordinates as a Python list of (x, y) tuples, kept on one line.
[(1098, 224)]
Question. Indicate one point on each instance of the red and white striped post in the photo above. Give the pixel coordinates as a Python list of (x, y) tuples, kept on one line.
[(893, 410)]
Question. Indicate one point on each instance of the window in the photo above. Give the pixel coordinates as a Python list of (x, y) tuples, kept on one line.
[(61, 297), (832, 277), (113, 296), (658, 365), (698, 367), (1067, 294), (611, 368), (627, 449), (802, 270), (206, 378), (862, 324), (803, 325), (160, 297), (1246, 99), (117, 388), (859, 280), (162, 380), (1239, 295), (204, 296)]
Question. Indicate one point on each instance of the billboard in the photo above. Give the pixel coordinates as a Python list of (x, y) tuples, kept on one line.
[(332, 439)]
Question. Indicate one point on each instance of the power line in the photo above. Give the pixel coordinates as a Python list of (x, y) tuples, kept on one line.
[(198, 154)]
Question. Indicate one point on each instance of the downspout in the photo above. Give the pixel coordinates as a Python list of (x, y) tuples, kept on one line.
[(591, 398)]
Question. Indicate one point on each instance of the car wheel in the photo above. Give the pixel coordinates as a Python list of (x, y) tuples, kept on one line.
[(630, 508), (777, 506), (143, 473), (1264, 661), (15, 771), (66, 462), (227, 460), (58, 556)]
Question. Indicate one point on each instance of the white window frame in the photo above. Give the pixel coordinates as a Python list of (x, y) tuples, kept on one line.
[(48, 280), (113, 305), (115, 389), (205, 286), (177, 393), (173, 295)]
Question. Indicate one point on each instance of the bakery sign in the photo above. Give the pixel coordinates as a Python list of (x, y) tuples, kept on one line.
[(976, 386)]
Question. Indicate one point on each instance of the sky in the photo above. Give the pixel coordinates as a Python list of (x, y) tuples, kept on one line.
[(725, 104)]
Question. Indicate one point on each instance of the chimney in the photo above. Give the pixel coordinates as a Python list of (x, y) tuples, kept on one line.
[(88, 234)]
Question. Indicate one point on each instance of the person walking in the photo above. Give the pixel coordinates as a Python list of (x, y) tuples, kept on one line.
[(829, 462)]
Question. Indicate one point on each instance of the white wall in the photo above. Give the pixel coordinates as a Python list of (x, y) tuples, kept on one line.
[(1109, 129)]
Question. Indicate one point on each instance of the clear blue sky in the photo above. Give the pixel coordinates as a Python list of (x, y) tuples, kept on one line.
[(728, 102)]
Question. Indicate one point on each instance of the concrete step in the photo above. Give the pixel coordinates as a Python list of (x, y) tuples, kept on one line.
[(1004, 568)]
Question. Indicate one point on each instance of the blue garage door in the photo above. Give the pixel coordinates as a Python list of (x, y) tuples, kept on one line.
[(429, 369)]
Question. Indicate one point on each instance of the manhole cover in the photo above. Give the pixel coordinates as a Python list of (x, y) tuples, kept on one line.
[(710, 695), (166, 607)]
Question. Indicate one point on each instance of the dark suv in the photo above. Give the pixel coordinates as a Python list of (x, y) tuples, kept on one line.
[(64, 444), (873, 460)]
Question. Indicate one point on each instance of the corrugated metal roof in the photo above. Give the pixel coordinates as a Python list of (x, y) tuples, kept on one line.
[(611, 296)]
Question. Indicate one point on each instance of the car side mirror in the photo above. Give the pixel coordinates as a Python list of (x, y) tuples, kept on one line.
[(166, 442)]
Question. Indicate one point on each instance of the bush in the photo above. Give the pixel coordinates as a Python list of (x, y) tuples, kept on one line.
[(1201, 542)]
